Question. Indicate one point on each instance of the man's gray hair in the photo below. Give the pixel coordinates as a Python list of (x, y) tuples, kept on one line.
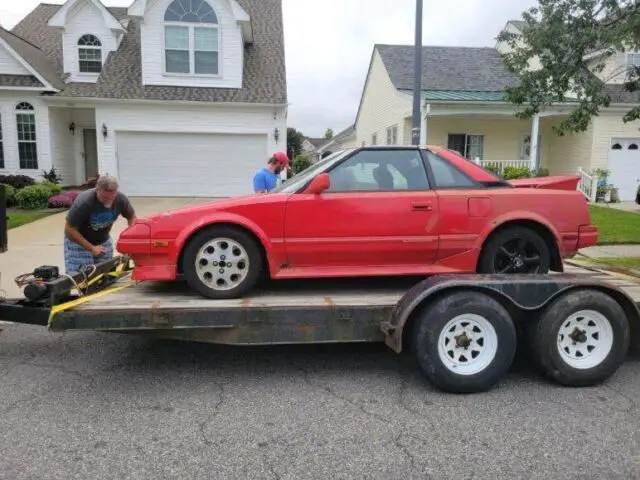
[(106, 182)]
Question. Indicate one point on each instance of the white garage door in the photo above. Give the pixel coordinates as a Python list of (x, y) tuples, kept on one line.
[(188, 164), (624, 167)]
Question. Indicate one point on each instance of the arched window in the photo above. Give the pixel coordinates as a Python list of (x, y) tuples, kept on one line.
[(191, 37), (633, 146), (90, 54), (26, 126), (616, 146)]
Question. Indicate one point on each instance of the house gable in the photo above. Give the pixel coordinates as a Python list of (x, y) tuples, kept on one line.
[(89, 33), (9, 64)]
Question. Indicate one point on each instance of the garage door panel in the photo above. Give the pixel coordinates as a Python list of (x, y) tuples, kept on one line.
[(624, 167), (184, 164)]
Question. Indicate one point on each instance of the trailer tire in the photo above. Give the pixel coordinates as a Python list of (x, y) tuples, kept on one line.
[(241, 271), (581, 338), (461, 317)]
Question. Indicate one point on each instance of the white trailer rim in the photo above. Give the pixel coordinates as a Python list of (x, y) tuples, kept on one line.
[(467, 344), (222, 264), (585, 339)]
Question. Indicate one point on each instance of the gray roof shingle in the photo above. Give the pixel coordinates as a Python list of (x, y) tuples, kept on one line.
[(35, 57), (264, 68), (448, 68), (19, 81)]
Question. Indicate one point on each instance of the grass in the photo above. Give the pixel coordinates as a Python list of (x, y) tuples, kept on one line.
[(615, 227), (19, 217)]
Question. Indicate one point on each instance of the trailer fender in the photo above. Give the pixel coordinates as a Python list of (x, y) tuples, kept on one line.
[(524, 293)]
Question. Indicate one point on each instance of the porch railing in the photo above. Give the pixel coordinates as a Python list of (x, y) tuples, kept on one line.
[(498, 166), (588, 184)]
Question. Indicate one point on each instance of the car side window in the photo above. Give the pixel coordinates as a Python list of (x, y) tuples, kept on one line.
[(446, 175), (380, 170)]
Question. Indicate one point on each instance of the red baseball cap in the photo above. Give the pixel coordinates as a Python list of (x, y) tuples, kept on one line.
[(282, 158)]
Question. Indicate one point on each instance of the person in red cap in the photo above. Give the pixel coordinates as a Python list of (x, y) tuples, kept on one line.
[(266, 179)]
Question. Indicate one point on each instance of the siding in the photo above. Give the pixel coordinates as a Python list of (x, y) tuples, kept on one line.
[(86, 20), (230, 45), (382, 106), (605, 127), (569, 152), (9, 65), (196, 119), (62, 142), (614, 68), (8, 102)]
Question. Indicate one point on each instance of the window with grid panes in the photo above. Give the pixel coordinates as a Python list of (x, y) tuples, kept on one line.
[(27, 141)]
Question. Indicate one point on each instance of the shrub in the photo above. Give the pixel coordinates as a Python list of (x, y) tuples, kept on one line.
[(301, 162), (51, 176), (512, 173), (10, 194), (542, 172), (17, 181), (34, 197), (493, 168), (52, 188), (63, 200)]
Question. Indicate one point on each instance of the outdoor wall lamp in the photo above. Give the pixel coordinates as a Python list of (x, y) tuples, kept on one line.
[(72, 128), (105, 132), (276, 134)]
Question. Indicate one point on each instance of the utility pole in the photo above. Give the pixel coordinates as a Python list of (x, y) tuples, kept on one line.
[(417, 77)]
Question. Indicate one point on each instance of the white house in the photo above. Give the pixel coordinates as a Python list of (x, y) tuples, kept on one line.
[(175, 98), (463, 109)]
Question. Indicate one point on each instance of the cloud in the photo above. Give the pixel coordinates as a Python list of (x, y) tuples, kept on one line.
[(328, 45)]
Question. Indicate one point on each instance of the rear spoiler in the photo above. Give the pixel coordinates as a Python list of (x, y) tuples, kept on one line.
[(564, 182)]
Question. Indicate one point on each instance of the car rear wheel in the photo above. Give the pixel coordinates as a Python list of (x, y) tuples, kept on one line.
[(515, 249), (222, 262)]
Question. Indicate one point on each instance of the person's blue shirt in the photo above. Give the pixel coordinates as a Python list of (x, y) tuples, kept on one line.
[(265, 180)]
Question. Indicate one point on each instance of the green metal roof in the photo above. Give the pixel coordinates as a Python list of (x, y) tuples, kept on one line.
[(454, 95)]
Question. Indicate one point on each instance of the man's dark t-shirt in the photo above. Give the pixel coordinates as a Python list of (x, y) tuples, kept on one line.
[(93, 220)]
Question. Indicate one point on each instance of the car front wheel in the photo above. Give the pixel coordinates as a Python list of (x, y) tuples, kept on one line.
[(515, 249), (222, 263)]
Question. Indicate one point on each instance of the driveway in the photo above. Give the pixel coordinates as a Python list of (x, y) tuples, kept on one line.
[(40, 242)]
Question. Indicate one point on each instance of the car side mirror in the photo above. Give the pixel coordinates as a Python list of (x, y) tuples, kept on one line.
[(318, 185)]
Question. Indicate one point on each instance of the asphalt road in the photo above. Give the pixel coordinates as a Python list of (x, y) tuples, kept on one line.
[(91, 405)]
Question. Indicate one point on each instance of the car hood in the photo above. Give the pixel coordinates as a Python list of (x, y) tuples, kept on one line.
[(223, 204)]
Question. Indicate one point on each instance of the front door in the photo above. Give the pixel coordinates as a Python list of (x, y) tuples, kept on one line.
[(378, 211), (90, 153)]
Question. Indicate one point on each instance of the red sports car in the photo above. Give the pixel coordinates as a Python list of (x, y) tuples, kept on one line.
[(371, 211)]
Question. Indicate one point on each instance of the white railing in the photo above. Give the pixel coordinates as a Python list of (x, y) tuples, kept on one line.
[(588, 184), (499, 165)]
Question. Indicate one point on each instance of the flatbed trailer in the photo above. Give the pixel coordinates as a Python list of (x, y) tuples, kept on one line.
[(463, 330)]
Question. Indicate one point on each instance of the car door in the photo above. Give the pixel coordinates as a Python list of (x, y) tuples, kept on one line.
[(378, 211)]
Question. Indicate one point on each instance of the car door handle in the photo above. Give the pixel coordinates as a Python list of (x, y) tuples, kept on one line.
[(421, 206)]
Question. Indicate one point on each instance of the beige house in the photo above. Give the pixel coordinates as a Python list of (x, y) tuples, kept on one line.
[(344, 139), (463, 109)]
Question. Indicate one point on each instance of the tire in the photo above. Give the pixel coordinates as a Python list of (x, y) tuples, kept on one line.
[(202, 274), (433, 332), (494, 258), (602, 334)]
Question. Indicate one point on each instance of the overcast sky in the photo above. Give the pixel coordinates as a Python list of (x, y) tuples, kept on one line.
[(329, 44)]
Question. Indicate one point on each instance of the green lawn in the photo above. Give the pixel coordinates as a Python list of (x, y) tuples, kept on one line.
[(21, 217), (615, 226)]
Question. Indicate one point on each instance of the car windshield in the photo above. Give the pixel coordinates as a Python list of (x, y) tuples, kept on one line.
[(296, 182)]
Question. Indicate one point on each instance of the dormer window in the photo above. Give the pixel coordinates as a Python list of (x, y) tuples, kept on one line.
[(90, 54), (191, 38)]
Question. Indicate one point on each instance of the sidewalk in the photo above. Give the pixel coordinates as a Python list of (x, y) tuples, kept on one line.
[(611, 251)]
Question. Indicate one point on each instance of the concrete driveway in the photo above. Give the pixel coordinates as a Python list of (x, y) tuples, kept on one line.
[(41, 242)]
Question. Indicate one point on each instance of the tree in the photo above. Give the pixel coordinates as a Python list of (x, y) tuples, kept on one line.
[(560, 34), (294, 142), (328, 134)]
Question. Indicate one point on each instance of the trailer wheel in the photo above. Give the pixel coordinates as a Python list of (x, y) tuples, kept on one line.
[(222, 262), (464, 342), (582, 338)]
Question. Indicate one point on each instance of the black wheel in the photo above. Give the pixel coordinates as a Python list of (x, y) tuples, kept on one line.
[(464, 342), (222, 262), (515, 250), (582, 338)]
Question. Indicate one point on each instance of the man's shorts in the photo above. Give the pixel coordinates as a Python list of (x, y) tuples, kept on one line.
[(76, 257)]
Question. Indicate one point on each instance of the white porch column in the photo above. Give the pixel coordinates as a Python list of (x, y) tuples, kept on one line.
[(533, 155), (424, 112)]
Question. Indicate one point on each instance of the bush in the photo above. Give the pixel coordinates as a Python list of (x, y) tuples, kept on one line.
[(301, 162), (10, 194), (513, 173), (17, 181), (542, 172), (37, 196), (63, 200), (51, 176)]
